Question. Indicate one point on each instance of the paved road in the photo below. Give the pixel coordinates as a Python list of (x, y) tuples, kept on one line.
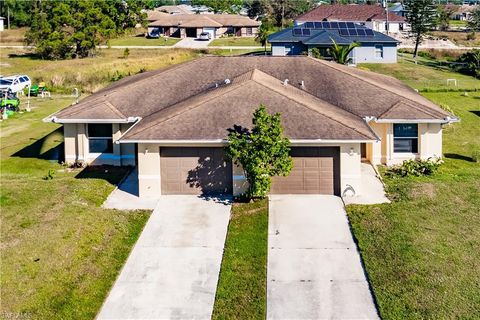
[(172, 272), (314, 269)]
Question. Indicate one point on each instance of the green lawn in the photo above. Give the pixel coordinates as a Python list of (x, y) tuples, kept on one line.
[(143, 41), (421, 252), (61, 252), (241, 291), (426, 75), (235, 41)]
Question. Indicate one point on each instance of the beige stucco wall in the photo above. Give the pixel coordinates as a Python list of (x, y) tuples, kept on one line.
[(429, 144), (76, 146), (148, 170)]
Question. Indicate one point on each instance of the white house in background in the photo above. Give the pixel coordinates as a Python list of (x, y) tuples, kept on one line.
[(2, 23), (371, 16)]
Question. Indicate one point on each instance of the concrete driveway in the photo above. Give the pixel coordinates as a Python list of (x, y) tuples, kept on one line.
[(192, 43), (314, 268), (172, 272)]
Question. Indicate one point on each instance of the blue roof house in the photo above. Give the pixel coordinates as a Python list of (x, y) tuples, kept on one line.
[(375, 47)]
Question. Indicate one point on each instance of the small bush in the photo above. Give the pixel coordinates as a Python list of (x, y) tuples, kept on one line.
[(476, 156), (471, 36), (415, 168), (50, 175)]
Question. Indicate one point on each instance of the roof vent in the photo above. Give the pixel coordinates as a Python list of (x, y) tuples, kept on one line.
[(302, 84), (285, 82), (227, 81)]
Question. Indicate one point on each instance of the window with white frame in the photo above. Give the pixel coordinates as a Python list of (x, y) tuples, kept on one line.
[(379, 51), (249, 31), (405, 138), (100, 138)]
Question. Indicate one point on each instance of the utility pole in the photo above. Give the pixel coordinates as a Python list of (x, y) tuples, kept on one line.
[(8, 17), (387, 26), (283, 11)]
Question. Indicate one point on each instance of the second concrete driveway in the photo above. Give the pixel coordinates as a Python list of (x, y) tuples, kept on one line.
[(314, 269), (172, 272)]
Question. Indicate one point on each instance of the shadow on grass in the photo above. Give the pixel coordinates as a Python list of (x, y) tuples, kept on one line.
[(458, 157), (111, 174), (27, 55), (36, 149), (476, 112)]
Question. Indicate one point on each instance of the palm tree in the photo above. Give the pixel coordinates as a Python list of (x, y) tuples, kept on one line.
[(262, 36), (340, 53)]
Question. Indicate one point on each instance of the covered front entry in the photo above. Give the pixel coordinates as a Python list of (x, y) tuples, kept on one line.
[(195, 170), (316, 170), (191, 32)]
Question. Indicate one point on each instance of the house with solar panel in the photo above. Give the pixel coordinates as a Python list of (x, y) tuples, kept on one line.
[(375, 47)]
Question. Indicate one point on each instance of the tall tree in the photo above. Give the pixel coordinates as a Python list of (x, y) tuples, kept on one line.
[(474, 21), (422, 17), (18, 12), (263, 151), (65, 29), (443, 20), (284, 11)]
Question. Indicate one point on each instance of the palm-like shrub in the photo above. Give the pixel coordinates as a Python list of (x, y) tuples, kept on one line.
[(340, 53)]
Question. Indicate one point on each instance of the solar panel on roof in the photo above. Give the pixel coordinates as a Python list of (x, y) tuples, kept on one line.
[(297, 32), (361, 32), (343, 32), (369, 32), (306, 32), (352, 32), (342, 24), (326, 25), (309, 25), (350, 25), (318, 25), (334, 25)]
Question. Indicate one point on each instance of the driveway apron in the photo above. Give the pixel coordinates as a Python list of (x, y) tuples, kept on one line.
[(172, 272), (314, 268)]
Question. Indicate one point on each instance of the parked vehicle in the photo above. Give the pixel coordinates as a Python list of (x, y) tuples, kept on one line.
[(205, 36), (154, 33), (9, 101), (15, 83), (35, 90)]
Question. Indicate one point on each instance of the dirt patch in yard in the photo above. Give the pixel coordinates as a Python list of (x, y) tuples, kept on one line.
[(423, 190)]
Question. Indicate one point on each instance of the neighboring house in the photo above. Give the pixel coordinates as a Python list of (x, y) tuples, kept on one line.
[(371, 16), (2, 21), (398, 9), (335, 117), (191, 25), (375, 47), (185, 9), (463, 12)]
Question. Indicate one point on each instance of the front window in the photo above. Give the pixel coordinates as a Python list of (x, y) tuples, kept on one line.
[(379, 52), (100, 138), (249, 31), (405, 138)]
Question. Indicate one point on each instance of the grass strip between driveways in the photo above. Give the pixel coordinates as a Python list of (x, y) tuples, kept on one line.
[(241, 291)]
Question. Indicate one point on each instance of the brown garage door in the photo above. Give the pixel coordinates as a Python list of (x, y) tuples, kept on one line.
[(316, 170), (195, 171)]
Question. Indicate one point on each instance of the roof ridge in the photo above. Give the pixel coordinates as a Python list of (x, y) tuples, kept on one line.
[(371, 82), (225, 89), (318, 110), (409, 105)]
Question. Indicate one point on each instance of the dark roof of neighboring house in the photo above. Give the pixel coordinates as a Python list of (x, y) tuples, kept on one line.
[(191, 100), (203, 20), (350, 12), (325, 36)]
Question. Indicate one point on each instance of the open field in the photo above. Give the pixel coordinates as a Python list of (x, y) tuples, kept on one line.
[(90, 74), (241, 291), (421, 251), (458, 37), (60, 251), (426, 75), (235, 41), (12, 37), (142, 41)]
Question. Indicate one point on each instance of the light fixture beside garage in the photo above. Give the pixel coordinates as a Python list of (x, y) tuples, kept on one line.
[(352, 151)]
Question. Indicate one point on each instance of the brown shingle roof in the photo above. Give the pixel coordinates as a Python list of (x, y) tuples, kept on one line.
[(208, 115), (335, 88), (351, 12), (204, 20)]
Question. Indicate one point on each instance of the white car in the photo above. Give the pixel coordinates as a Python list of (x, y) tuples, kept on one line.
[(205, 36), (15, 83)]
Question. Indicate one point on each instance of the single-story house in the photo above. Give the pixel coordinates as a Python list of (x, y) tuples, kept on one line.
[(463, 12), (375, 47), (372, 16), (2, 20), (191, 25), (172, 124)]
